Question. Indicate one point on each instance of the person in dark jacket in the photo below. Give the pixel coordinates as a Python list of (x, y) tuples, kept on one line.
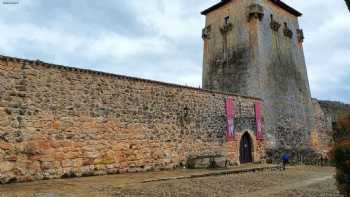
[(285, 160)]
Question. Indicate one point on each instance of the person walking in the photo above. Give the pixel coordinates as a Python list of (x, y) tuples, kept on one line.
[(285, 160)]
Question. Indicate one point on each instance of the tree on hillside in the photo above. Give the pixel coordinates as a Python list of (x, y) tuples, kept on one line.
[(341, 155)]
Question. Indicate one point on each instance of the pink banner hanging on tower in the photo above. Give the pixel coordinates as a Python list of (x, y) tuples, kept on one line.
[(229, 108), (258, 116)]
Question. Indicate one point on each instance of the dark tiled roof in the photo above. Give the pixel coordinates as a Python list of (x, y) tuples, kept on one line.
[(279, 3), (214, 7)]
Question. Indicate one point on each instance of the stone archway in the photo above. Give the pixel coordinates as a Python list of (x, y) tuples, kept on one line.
[(246, 149)]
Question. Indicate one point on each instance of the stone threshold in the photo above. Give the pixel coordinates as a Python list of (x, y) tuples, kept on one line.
[(218, 172)]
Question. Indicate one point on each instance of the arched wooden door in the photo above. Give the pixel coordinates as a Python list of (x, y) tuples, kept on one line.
[(246, 149)]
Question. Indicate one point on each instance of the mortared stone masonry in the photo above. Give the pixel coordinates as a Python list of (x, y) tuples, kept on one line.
[(57, 121)]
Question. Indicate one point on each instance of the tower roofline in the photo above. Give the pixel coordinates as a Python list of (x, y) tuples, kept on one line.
[(279, 3)]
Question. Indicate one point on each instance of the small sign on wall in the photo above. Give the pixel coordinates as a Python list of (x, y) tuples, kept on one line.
[(229, 108)]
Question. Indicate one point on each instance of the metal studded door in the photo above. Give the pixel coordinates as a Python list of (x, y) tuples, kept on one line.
[(246, 149)]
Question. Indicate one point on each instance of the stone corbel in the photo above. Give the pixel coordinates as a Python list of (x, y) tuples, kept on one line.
[(300, 35), (287, 32), (206, 32), (275, 26), (255, 11), (226, 28), (218, 61)]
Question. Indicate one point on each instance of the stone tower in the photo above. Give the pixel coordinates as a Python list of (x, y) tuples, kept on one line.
[(254, 48)]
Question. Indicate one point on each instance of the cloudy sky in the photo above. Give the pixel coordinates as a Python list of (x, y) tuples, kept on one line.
[(161, 39)]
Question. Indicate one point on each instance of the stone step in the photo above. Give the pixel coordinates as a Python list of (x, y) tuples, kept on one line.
[(190, 174)]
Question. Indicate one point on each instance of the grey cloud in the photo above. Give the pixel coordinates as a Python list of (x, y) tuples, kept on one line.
[(85, 17), (326, 26), (161, 39)]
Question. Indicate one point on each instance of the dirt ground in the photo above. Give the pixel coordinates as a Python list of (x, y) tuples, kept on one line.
[(296, 181)]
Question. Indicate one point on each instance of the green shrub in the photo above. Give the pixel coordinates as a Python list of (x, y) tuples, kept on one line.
[(342, 162), (341, 155)]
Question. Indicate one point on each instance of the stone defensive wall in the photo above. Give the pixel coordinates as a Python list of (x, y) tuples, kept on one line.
[(326, 114), (58, 122)]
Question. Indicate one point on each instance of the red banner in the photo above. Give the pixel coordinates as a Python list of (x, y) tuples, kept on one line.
[(229, 108), (258, 116)]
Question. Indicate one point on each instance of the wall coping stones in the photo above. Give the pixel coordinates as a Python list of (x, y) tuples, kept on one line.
[(124, 77)]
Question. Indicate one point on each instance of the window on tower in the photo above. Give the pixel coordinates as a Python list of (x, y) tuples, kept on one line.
[(227, 19)]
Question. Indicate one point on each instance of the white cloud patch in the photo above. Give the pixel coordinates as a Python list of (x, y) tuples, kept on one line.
[(54, 41)]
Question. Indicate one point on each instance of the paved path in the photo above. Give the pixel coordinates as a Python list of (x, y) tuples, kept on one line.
[(281, 189), (296, 181)]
